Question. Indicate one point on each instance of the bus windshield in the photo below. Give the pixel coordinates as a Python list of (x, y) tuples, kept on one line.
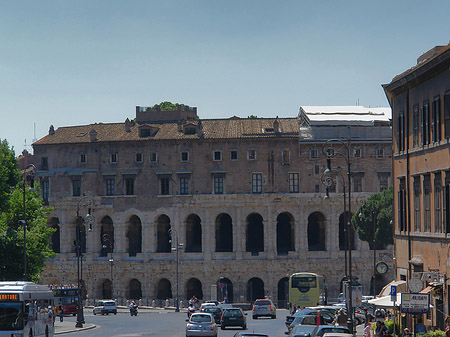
[(11, 316), (304, 282)]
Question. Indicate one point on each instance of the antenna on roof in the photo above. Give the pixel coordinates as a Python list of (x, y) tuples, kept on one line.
[(34, 139)]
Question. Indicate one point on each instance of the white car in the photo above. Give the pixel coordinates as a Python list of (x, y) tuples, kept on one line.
[(105, 307), (201, 324)]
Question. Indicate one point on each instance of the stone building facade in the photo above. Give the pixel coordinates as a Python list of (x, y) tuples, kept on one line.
[(241, 198), (420, 101)]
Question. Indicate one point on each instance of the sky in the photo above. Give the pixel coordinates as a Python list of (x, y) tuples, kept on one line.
[(76, 62)]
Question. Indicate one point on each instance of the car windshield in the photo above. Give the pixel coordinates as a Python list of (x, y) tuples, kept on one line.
[(11, 317), (336, 329), (304, 328), (200, 318), (232, 312), (109, 303), (262, 303), (213, 309)]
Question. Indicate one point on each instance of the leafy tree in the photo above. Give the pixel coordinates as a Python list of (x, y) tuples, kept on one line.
[(9, 173), (11, 232), (168, 106), (252, 117), (378, 208)]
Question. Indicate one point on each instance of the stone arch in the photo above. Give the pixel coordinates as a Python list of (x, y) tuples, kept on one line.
[(135, 290), (225, 290), (194, 288), (224, 233), (342, 232), (285, 233), (316, 232), (164, 289), (193, 234), (134, 234), (106, 289), (55, 240), (107, 231), (283, 293), (255, 289), (163, 242), (254, 241)]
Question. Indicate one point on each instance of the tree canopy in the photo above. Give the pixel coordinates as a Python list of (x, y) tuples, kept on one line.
[(377, 208), (11, 231), (168, 106)]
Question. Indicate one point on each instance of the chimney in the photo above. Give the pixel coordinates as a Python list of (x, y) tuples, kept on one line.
[(93, 135), (200, 129), (51, 130), (127, 125)]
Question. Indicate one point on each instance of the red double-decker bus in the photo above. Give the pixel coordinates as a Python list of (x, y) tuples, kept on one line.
[(67, 298)]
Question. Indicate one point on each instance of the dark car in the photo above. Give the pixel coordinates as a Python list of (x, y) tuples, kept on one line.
[(301, 331), (233, 317), (215, 311), (321, 329)]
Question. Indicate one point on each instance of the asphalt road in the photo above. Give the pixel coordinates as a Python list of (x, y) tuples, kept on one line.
[(167, 324)]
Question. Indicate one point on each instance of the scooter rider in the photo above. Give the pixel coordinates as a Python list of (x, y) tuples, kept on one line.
[(191, 309), (133, 308)]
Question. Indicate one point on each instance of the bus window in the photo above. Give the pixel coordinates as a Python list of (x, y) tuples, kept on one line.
[(11, 315)]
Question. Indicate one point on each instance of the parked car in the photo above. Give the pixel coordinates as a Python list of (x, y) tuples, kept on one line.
[(215, 311), (337, 334), (201, 324), (206, 304), (302, 312), (105, 307), (301, 331), (233, 317), (264, 307), (311, 320), (249, 334), (320, 330)]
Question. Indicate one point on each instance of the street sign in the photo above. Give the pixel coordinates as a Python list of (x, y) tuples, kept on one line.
[(221, 285), (415, 303), (393, 293)]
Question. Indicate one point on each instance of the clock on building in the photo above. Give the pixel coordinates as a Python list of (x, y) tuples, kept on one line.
[(415, 285), (381, 268)]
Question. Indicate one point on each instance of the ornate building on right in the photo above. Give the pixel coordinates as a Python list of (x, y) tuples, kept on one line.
[(420, 102)]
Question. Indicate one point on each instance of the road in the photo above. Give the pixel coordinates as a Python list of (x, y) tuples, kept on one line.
[(167, 324)]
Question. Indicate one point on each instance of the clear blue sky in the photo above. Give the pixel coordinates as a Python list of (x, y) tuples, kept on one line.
[(71, 62)]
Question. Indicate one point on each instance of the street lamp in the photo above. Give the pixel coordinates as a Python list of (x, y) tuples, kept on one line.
[(27, 176), (107, 242), (80, 222), (330, 153), (176, 249)]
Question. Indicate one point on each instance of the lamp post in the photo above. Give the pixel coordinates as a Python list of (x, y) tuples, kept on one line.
[(328, 150), (80, 222), (108, 243), (176, 249), (28, 175)]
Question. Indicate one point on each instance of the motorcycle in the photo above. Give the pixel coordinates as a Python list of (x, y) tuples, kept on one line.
[(133, 310), (191, 310)]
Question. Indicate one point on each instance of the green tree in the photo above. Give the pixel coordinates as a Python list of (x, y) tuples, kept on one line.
[(11, 231), (378, 208), (9, 173), (252, 117), (168, 106)]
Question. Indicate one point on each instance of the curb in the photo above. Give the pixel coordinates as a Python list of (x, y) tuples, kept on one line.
[(91, 326)]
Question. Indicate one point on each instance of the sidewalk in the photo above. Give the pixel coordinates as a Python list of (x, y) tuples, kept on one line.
[(69, 326)]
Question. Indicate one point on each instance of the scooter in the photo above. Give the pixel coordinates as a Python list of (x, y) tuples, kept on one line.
[(133, 311), (191, 310)]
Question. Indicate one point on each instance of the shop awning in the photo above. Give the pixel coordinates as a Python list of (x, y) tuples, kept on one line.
[(385, 301), (401, 288)]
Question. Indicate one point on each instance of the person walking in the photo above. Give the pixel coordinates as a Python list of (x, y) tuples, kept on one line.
[(340, 318), (61, 313)]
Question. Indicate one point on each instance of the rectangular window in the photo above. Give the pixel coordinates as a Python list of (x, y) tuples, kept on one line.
[(357, 182), (426, 203), (437, 203), (285, 157), (436, 119), (76, 187), (83, 158), (45, 191), (317, 188), (113, 157), (184, 156), (129, 186), (416, 186), (401, 131), (233, 155), (402, 205), (415, 125), (217, 155), (44, 163), (256, 182), (316, 169), (110, 186), (447, 114), (153, 157), (425, 124), (380, 153), (184, 185), (313, 153), (446, 203), (218, 185), (251, 154), (383, 181), (293, 182), (164, 185), (145, 132), (356, 152), (139, 157)]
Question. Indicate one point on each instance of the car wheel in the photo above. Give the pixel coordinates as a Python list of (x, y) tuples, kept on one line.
[(255, 317), (274, 316), (115, 313), (244, 327), (222, 327), (94, 313)]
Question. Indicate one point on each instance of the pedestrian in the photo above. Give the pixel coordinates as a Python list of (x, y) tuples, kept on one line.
[(61, 313), (340, 318), (420, 327), (367, 329), (294, 310), (380, 330), (406, 333)]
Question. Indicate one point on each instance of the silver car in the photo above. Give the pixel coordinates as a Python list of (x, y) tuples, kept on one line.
[(264, 307), (105, 307), (201, 324)]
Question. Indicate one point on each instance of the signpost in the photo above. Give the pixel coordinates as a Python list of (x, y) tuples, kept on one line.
[(394, 299), (415, 303)]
